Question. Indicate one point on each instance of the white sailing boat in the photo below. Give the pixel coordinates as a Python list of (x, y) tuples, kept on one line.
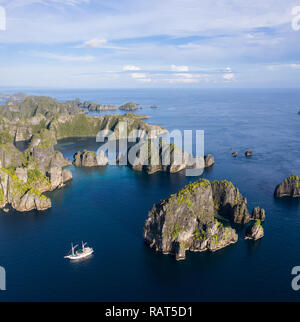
[(79, 254)]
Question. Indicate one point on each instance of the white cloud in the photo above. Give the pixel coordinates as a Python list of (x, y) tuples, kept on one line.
[(64, 58), (22, 3), (295, 66), (182, 80), (229, 76), (130, 68), (98, 43), (138, 75), (283, 66), (184, 75), (145, 80), (176, 68), (94, 43)]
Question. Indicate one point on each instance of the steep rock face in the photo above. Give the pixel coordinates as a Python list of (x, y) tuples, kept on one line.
[(90, 159), (31, 201), (22, 174), (229, 202), (21, 195), (48, 158), (9, 156), (167, 158), (58, 177), (289, 187), (185, 221), (258, 213), (255, 231), (25, 176)]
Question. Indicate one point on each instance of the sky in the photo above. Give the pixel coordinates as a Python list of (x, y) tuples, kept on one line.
[(149, 43)]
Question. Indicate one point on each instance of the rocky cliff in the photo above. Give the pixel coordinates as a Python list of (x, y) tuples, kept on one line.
[(289, 187), (229, 202), (21, 188), (186, 220), (166, 158), (22, 122), (93, 107), (254, 231), (90, 159), (24, 177), (129, 106)]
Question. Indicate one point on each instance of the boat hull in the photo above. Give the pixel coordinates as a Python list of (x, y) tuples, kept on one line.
[(80, 256)]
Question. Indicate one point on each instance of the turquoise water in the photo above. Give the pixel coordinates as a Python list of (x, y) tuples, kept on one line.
[(108, 207)]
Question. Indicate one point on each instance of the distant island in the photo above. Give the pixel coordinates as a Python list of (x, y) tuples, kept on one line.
[(129, 107)]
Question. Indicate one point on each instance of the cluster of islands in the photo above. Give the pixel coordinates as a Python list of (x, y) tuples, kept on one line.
[(190, 220)]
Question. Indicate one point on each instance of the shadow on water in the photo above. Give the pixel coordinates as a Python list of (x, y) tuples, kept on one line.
[(252, 245)]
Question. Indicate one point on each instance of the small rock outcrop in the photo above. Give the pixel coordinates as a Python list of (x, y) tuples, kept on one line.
[(129, 106), (186, 220), (258, 213), (248, 153), (255, 231), (166, 158), (289, 187), (90, 159), (234, 154), (209, 160)]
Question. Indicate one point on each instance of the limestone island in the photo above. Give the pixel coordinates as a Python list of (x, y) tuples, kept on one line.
[(167, 157), (255, 231), (290, 187), (129, 107), (187, 220), (90, 159)]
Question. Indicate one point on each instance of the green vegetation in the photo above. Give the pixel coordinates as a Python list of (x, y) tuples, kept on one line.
[(5, 137), (176, 229), (1, 195), (293, 177), (35, 181), (129, 106)]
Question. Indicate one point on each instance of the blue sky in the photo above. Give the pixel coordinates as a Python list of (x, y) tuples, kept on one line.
[(143, 43)]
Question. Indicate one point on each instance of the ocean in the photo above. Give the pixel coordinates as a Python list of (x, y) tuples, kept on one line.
[(107, 207)]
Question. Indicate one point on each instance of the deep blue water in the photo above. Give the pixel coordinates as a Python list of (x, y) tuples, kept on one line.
[(108, 207)]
